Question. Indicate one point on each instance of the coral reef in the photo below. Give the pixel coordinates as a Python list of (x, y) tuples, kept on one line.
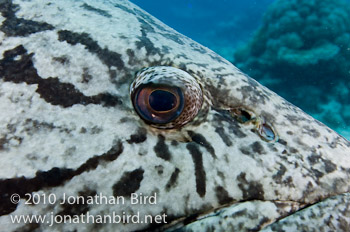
[(302, 51)]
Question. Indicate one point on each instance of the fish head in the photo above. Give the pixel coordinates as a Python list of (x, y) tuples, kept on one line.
[(103, 103)]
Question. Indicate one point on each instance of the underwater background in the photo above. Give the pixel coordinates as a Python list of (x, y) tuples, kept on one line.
[(298, 48)]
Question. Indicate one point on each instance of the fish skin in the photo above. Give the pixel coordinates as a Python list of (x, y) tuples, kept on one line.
[(67, 126)]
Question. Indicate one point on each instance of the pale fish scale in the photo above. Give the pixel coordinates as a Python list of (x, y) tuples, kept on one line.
[(84, 137)]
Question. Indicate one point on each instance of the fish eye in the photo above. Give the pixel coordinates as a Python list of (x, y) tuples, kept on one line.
[(158, 104), (166, 97)]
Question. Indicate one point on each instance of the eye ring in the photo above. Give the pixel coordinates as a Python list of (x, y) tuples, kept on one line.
[(166, 97)]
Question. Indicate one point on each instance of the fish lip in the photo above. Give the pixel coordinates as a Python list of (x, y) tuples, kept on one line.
[(179, 223), (289, 208)]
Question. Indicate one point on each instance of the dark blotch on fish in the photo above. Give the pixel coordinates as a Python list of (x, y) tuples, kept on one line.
[(161, 149), (197, 158), (13, 26), (222, 195), (50, 89), (258, 148), (200, 139), (96, 10), (51, 178), (252, 190), (173, 180), (129, 183), (139, 137), (225, 138), (109, 58)]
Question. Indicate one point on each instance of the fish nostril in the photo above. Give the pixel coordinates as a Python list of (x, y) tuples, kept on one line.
[(242, 115), (261, 127), (267, 133)]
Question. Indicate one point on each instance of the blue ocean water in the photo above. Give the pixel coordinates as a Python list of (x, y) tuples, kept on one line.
[(220, 25), (298, 48)]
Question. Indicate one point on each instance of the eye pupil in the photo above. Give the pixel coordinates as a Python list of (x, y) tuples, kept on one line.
[(161, 100)]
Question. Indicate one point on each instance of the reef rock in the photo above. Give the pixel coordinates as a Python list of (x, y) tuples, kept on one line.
[(302, 51)]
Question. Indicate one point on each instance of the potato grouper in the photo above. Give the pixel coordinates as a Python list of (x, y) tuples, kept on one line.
[(100, 99)]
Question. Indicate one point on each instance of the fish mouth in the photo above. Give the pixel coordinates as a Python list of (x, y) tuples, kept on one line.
[(256, 215)]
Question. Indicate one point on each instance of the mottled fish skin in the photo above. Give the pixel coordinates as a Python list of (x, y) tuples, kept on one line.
[(67, 125)]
